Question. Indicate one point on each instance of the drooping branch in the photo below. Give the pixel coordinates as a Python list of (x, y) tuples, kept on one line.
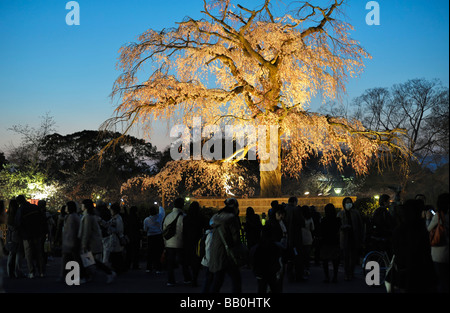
[(250, 66), (387, 137)]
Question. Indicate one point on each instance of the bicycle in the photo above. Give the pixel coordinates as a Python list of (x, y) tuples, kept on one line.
[(381, 257)]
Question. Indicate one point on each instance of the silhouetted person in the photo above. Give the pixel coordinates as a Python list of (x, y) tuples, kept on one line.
[(91, 239), (14, 242), (155, 242), (278, 232), (2, 221), (101, 210), (329, 241), (70, 247), (46, 234), (316, 216), (134, 235), (193, 226), (307, 237), (31, 222), (440, 254), (226, 227), (252, 227), (352, 236), (116, 231), (265, 260), (273, 206), (294, 222), (383, 223), (411, 246), (59, 227), (174, 245)]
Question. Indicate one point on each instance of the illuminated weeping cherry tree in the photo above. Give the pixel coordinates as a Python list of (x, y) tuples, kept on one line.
[(196, 178), (254, 66)]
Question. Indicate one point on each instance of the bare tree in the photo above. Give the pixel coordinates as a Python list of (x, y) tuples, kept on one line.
[(420, 107), (418, 100), (27, 153)]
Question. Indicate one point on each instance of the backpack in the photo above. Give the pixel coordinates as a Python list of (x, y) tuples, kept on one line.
[(437, 234), (170, 230), (32, 221)]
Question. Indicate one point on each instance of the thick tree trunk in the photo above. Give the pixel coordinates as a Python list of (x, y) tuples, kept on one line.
[(270, 169), (270, 183)]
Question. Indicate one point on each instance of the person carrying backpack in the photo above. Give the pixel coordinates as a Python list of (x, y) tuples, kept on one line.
[(173, 242), (193, 226)]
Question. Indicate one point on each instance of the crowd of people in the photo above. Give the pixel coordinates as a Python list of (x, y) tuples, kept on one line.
[(279, 246)]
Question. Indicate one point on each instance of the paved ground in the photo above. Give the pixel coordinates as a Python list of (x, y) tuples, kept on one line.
[(137, 281)]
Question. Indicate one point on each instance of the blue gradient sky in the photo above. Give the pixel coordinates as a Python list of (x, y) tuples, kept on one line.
[(68, 71)]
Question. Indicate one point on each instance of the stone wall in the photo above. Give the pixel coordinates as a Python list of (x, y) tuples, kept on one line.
[(261, 205)]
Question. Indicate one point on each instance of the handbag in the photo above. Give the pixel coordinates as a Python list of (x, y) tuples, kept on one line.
[(170, 230), (237, 253), (87, 258), (437, 234)]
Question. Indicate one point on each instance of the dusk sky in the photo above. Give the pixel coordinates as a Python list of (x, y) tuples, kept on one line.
[(69, 71)]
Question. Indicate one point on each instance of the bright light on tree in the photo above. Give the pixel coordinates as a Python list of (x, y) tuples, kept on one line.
[(255, 65)]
